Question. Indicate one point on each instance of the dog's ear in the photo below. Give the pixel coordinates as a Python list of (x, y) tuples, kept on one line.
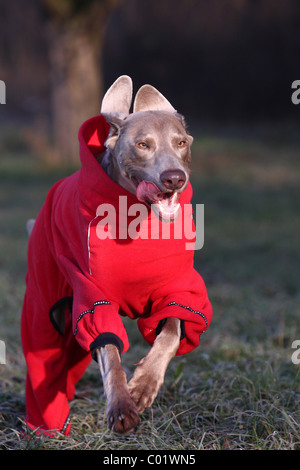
[(115, 107), (115, 120), (118, 97), (149, 98)]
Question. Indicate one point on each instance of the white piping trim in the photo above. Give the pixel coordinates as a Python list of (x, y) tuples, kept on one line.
[(88, 243)]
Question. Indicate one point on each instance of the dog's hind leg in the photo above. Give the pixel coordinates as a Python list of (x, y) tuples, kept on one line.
[(150, 372), (122, 415)]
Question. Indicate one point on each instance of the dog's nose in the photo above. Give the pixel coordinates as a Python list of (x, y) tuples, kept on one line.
[(173, 179)]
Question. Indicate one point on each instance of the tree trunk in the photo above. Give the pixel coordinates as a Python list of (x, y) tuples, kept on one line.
[(76, 85)]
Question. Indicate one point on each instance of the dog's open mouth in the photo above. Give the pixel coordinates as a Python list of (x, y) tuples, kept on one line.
[(165, 204)]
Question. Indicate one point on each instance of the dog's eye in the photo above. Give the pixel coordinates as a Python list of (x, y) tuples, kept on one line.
[(182, 143), (142, 145)]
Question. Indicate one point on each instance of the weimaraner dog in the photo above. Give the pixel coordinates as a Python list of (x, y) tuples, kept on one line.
[(148, 153)]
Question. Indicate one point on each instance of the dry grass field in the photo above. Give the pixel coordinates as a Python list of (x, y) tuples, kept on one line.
[(240, 388)]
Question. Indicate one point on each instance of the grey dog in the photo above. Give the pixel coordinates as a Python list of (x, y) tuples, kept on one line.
[(148, 154)]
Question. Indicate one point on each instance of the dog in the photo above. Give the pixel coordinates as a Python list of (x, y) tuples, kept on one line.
[(79, 282)]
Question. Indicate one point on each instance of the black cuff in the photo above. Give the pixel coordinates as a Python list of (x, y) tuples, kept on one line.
[(102, 340), (162, 324)]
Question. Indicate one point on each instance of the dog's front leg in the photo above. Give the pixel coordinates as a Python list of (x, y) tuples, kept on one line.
[(150, 372), (121, 412)]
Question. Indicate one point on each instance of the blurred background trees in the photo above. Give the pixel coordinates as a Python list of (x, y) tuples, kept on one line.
[(75, 43), (219, 61)]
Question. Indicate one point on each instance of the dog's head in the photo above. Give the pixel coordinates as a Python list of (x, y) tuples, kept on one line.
[(150, 148)]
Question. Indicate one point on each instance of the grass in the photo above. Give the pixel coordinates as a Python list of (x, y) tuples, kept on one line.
[(239, 389)]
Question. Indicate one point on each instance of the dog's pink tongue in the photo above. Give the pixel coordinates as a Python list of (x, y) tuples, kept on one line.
[(147, 191)]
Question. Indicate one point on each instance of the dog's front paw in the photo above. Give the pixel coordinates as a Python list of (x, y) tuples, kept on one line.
[(122, 415), (144, 387)]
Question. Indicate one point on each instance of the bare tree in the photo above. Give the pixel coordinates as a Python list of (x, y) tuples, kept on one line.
[(76, 31)]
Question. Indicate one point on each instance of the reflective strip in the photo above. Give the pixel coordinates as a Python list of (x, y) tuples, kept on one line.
[(99, 302), (191, 310)]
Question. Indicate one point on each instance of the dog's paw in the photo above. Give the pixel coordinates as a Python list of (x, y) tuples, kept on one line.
[(144, 387), (122, 415)]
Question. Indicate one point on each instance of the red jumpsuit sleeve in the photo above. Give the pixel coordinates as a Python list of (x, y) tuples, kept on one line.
[(96, 319), (185, 299)]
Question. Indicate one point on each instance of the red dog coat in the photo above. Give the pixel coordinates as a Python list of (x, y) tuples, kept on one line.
[(149, 278)]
